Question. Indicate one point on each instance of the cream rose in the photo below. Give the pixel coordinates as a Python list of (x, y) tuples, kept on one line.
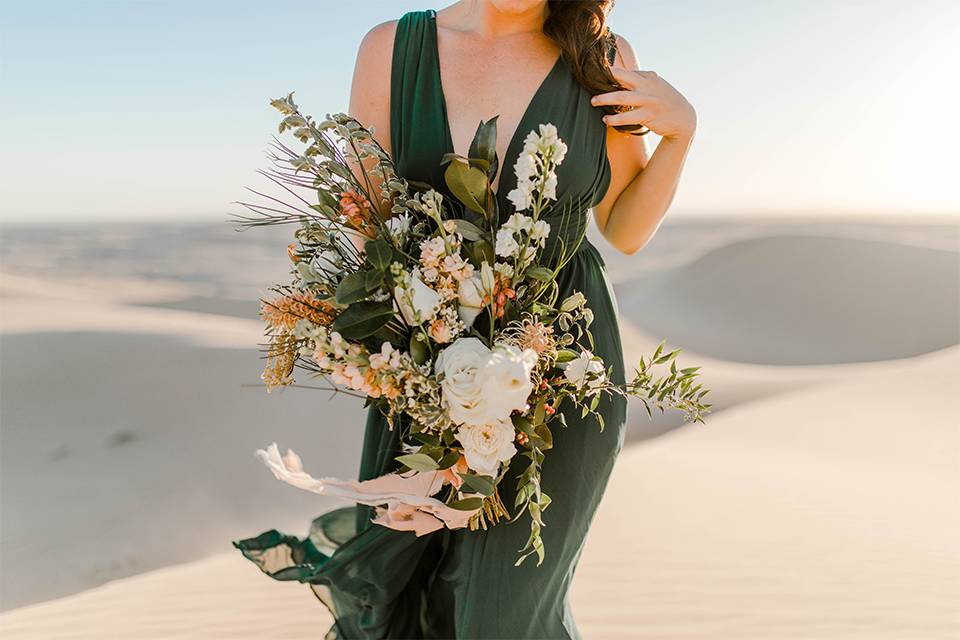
[(459, 364), (504, 380), (485, 446), (470, 296), (577, 370)]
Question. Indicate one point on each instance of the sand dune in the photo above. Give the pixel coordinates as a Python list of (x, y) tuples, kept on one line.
[(820, 501), (783, 518), (804, 300)]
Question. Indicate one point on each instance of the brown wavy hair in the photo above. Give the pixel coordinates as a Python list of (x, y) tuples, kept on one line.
[(579, 28)]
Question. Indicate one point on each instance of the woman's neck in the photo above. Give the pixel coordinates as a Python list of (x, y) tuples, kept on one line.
[(495, 19)]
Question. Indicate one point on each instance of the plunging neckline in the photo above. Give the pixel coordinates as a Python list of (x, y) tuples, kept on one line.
[(520, 123)]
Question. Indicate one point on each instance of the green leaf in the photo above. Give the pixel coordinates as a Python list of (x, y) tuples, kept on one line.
[(379, 253), (418, 350), (449, 460), (467, 504), (478, 484), (427, 439), (353, 288), (484, 145), (566, 355), (362, 319), (539, 273), (469, 231), (374, 280), (543, 432), (468, 184), (484, 252), (523, 424), (418, 462)]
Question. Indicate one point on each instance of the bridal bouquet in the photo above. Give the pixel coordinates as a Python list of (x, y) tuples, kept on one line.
[(449, 324)]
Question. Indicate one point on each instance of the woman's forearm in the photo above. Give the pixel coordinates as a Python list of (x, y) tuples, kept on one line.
[(638, 211)]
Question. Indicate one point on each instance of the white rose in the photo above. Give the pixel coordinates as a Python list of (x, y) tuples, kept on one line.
[(459, 364), (470, 296), (485, 446), (577, 370), (425, 300), (504, 380)]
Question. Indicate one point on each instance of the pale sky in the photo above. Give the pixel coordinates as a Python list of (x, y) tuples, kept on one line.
[(159, 110)]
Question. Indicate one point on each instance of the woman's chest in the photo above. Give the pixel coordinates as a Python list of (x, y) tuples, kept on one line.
[(483, 81)]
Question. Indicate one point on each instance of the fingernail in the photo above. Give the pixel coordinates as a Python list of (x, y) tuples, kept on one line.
[(593, 101)]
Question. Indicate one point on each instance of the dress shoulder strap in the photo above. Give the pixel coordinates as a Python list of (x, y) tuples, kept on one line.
[(416, 95)]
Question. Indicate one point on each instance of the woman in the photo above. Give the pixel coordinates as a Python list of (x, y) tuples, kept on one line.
[(424, 83)]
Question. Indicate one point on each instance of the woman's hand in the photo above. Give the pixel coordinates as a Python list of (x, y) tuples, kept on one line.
[(656, 105)]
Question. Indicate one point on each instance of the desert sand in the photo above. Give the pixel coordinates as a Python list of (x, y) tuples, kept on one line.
[(820, 500)]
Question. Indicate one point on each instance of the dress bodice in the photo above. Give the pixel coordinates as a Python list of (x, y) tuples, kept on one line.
[(420, 130)]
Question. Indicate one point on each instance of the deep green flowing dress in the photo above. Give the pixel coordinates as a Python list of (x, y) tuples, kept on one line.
[(382, 583)]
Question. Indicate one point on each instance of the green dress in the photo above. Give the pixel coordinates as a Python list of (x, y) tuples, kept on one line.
[(382, 583)]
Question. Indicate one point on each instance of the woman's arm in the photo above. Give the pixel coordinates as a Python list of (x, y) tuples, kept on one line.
[(370, 90), (641, 186), (370, 93)]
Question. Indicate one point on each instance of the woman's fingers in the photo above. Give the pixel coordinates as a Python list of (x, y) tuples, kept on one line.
[(631, 77), (654, 104), (615, 97), (635, 116)]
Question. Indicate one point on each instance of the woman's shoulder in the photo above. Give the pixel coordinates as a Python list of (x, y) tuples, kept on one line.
[(626, 57), (379, 40), (370, 89)]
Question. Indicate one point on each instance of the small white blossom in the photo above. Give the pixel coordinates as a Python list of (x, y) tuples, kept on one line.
[(518, 222), (506, 244), (525, 167), (505, 270), (522, 196), (540, 231), (398, 225), (577, 372), (550, 186)]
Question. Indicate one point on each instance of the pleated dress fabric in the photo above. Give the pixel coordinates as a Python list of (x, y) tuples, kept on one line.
[(381, 583)]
